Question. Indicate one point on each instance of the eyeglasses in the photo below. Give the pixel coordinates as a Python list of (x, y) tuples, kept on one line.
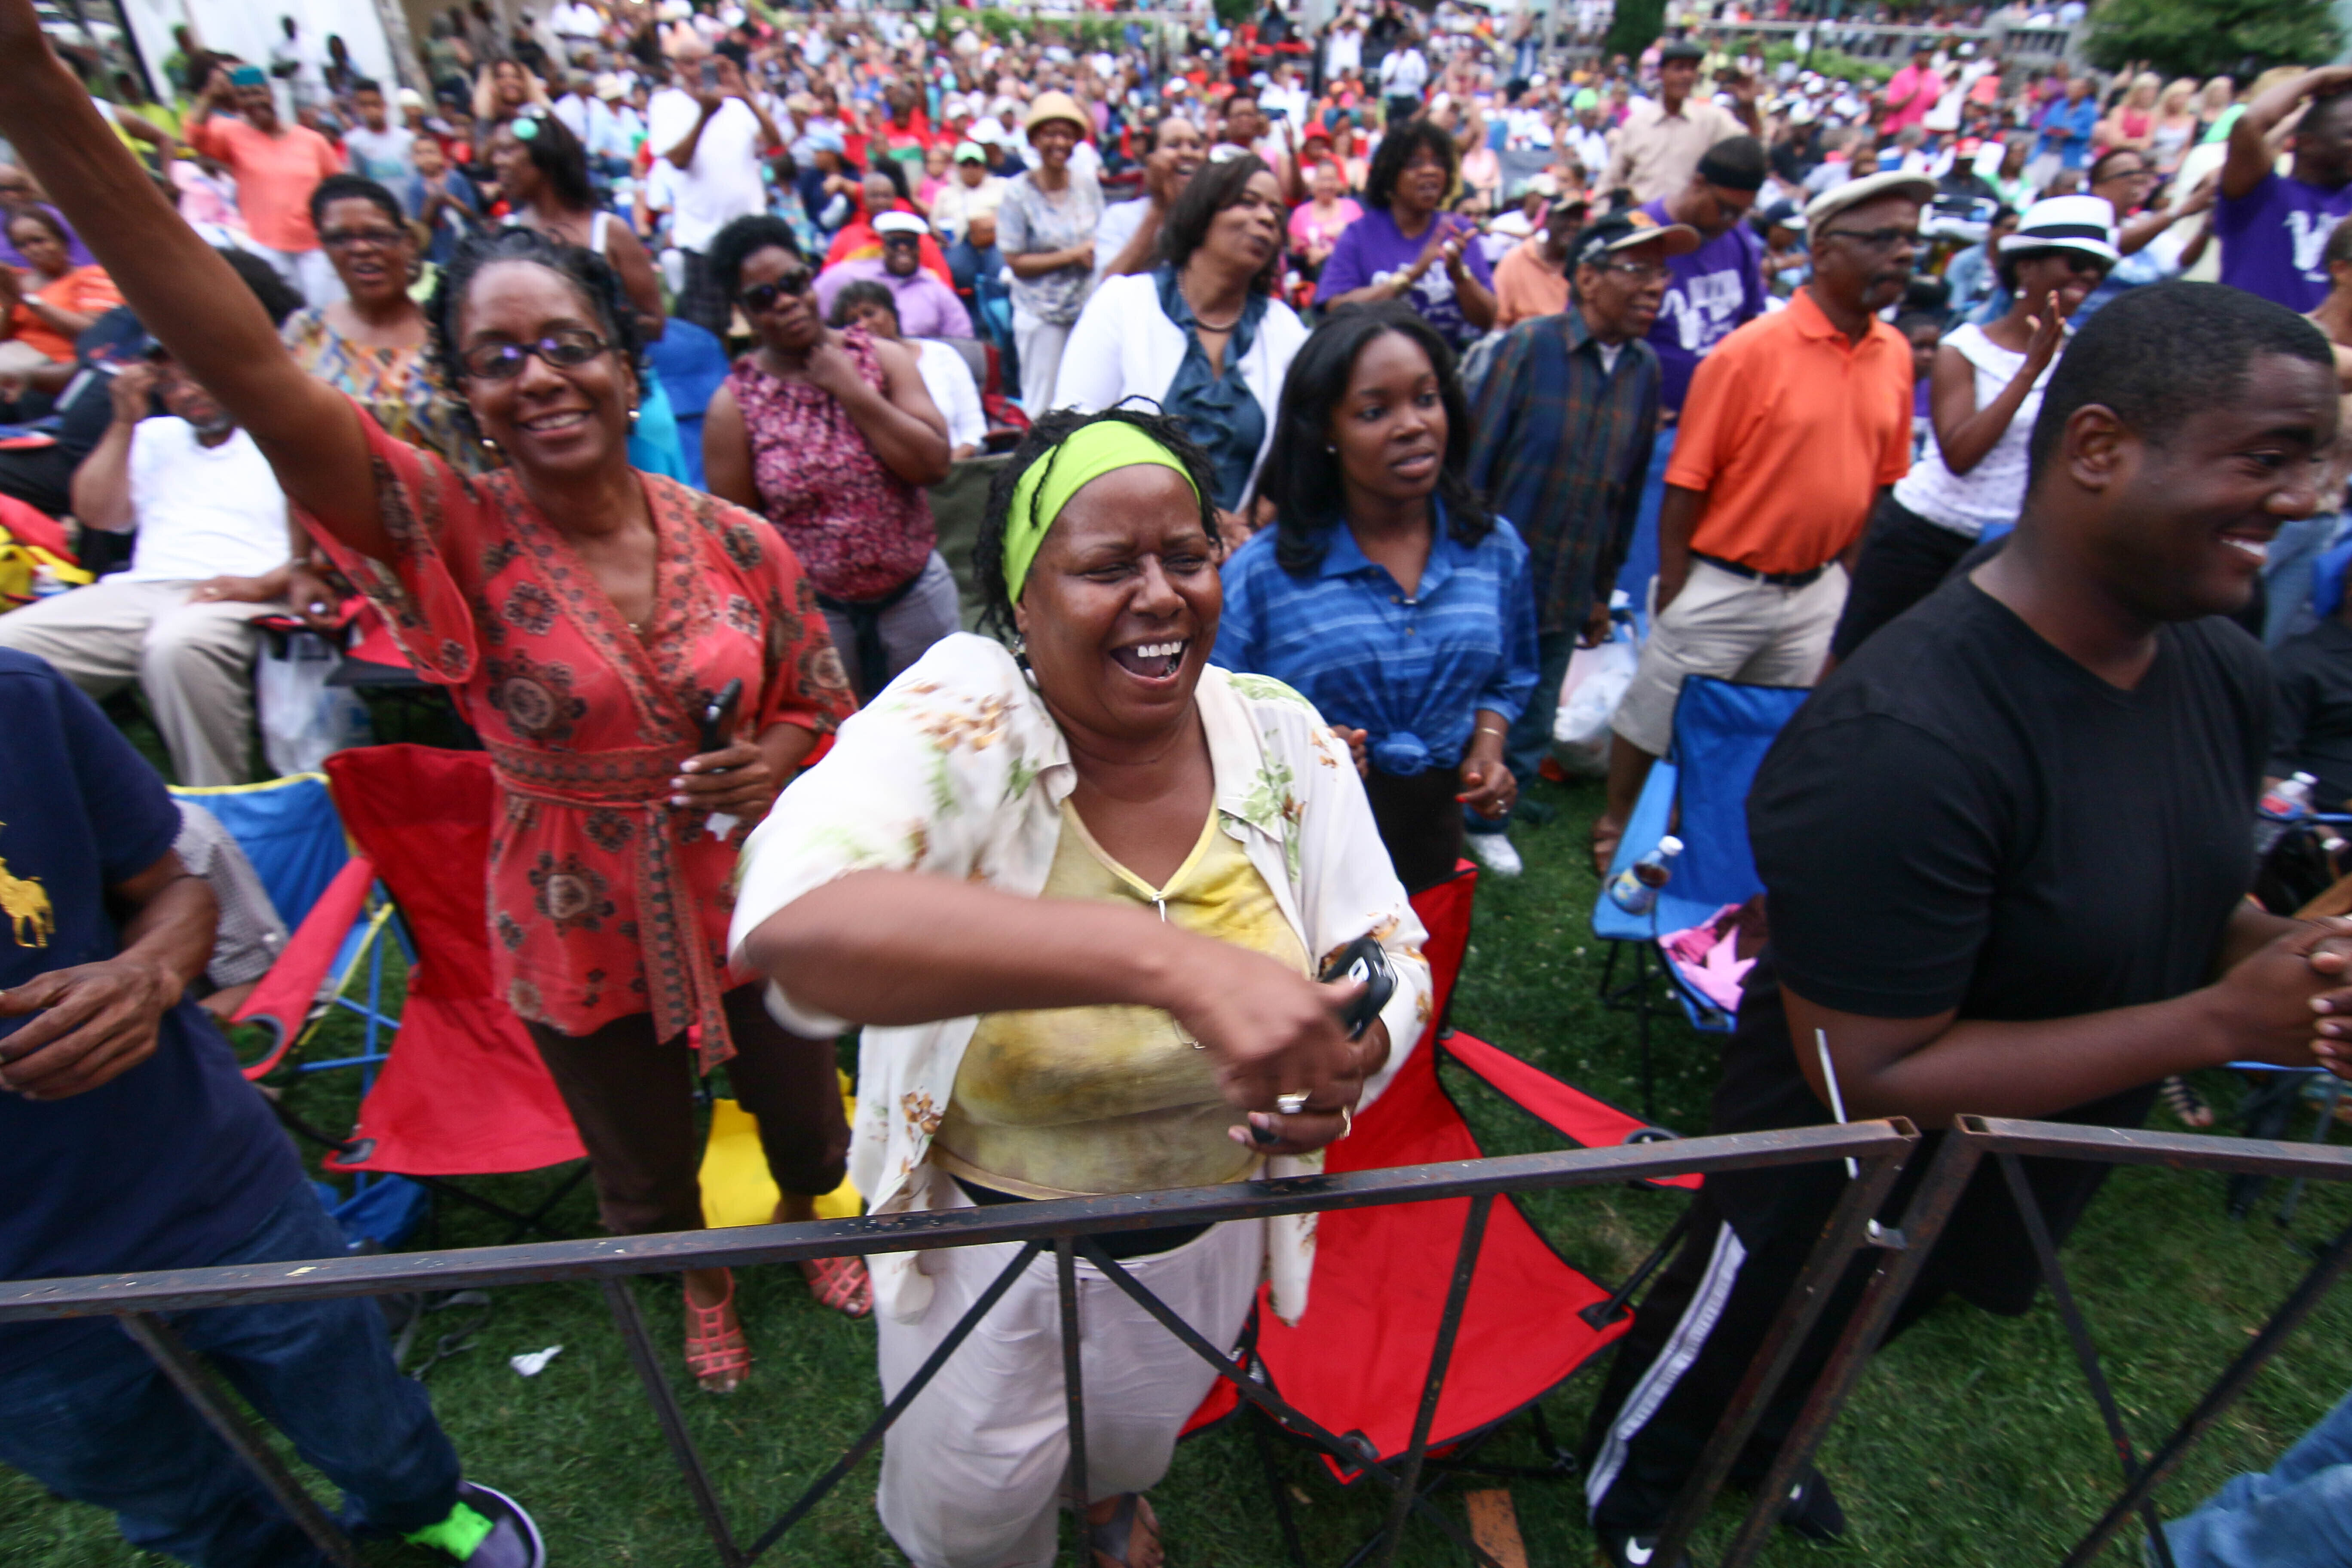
[(564, 348), (761, 298), (1638, 271), (354, 238), (1875, 238)]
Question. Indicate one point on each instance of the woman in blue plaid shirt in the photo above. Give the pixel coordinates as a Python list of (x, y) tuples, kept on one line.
[(1386, 592)]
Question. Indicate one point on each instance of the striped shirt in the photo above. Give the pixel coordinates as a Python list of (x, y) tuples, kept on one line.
[(1563, 445), (1412, 670)]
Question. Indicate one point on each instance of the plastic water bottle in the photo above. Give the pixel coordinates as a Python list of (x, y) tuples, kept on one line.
[(1635, 888), (2283, 805)]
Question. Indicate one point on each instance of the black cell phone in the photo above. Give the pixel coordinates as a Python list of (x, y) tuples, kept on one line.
[(719, 718), (1363, 959), (710, 74)]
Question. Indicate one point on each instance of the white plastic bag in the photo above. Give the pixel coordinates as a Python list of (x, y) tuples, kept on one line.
[(1596, 683), (303, 719)]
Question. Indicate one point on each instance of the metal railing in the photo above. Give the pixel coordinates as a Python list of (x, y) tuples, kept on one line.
[(2007, 1142), (1070, 1229)]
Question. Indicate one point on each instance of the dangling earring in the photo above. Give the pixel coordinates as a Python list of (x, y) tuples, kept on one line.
[(1020, 645), (489, 445)]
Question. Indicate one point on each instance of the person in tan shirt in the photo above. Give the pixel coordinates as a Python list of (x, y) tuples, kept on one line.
[(1532, 281), (1663, 137)]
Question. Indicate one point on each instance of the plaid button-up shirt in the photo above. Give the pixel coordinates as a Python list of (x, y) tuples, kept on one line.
[(1562, 448)]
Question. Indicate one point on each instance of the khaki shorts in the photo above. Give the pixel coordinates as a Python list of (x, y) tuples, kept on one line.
[(1733, 628)]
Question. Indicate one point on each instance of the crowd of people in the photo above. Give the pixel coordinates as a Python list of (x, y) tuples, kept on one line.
[(1332, 395)]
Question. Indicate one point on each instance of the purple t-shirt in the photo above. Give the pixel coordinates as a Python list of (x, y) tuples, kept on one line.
[(1372, 244), (2274, 238), (76, 251), (1715, 289)]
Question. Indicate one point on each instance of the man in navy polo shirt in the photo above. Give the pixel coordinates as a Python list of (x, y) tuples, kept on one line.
[(128, 1141)]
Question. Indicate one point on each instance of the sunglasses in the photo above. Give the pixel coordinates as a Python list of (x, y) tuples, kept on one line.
[(761, 298), (564, 348)]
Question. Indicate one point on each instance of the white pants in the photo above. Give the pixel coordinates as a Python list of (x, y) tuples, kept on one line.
[(307, 272), (973, 1474), (1733, 628), (1039, 348), (195, 662)]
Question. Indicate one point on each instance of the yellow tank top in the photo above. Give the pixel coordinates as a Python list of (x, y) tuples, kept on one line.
[(1072, 1101)]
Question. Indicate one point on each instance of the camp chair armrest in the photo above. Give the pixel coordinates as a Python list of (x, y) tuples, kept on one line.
[(281, 1002)]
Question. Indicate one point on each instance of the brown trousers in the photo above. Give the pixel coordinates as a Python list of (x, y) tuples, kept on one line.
[(632, 1098)]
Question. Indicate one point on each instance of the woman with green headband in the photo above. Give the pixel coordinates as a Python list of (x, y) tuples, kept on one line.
[(1076, 891)]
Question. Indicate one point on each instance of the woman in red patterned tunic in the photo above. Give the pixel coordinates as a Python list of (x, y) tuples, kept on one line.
[(584, 615), (833, 435)]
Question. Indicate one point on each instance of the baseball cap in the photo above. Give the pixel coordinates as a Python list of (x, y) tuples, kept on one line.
[(1869, 188), (1623, 231), (971, 153), (1681, 50), (898, 222), (409, 98)]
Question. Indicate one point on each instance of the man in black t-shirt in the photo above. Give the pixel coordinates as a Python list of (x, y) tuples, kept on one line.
[(2005, 850)]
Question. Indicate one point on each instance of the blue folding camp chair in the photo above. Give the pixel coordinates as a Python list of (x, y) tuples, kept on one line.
[(1698, 791), (289, 829), (692, 362)]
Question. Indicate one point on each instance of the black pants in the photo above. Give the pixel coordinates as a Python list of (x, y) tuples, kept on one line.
[(1420, 821), (1904, 558), (632, 1098), (1691, 1341)]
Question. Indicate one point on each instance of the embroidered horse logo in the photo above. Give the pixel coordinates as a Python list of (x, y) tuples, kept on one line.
[(26, 906)]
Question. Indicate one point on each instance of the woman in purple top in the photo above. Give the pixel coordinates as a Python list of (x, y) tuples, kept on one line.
[(1406, 247)]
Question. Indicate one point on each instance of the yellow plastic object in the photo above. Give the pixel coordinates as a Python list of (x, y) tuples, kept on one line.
[(736, 1186)]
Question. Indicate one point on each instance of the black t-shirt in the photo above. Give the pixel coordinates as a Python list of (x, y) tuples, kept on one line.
[(2314, 733), (178, 1158), (1964, 819)]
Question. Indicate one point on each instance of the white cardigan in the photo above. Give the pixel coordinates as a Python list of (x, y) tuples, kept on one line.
[(1125, 346)]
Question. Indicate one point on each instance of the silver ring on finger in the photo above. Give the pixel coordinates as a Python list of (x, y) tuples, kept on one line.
[(1346, 1122), (1289, 1104)]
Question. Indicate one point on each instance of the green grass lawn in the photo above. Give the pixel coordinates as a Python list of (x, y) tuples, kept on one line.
[(1970, 1443)]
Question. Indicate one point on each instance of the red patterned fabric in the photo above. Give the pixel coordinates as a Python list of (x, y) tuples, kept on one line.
[(603, 900), (859, 529)]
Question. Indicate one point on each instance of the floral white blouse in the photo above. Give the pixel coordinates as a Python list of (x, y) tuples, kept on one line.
[(957, 770)]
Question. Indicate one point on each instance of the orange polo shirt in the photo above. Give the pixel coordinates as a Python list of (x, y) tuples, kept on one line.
[(1791, 431), (274, 175)]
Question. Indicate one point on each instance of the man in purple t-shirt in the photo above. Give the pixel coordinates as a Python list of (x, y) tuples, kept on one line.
[(2273, 227), (1719, 286)]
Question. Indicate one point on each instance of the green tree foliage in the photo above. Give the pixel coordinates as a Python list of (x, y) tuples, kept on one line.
[(1635, 27), (2209, 38)]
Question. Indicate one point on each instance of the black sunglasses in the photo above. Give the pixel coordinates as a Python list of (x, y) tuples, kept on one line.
[(565, 347), (761, 298)]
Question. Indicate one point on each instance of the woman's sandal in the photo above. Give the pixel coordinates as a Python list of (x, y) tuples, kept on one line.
[(840, 1283), (2186, 1104), (716, 1353), (1114, 1539)]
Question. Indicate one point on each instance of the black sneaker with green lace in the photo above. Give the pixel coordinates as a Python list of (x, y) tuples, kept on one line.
[(488, 1529)]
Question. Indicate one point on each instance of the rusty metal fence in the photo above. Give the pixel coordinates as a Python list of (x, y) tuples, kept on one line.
[(1070, 1229)]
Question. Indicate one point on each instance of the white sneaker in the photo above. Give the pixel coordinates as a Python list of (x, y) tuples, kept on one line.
[(1495, 852)]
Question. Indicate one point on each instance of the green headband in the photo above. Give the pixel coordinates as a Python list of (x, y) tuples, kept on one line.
[(1046, 486)]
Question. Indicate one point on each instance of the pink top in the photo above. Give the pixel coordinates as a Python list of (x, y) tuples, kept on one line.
[(859, 530), (1306, 229)]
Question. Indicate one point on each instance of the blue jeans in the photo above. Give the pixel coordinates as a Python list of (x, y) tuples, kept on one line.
[(103, 1424), (2297, 1516)]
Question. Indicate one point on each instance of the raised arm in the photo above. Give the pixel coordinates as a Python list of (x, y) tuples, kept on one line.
[(2250, 157), (188, 297)]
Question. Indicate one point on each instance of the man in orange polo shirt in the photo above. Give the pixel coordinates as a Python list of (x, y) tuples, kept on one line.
[(1793, 425), (276, 167)]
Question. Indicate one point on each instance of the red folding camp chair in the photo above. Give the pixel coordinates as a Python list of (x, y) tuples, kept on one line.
[(1356, 1361), (463, 1091)]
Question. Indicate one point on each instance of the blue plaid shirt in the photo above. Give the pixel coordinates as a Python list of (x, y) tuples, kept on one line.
[(1413, 672)]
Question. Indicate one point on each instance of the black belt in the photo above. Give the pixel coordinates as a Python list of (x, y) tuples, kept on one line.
[(871, 661), (1778, 579), (1119, 1245)]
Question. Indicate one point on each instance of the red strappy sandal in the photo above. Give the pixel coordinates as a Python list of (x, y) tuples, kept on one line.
[(716, 1353), (840, 1283)]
